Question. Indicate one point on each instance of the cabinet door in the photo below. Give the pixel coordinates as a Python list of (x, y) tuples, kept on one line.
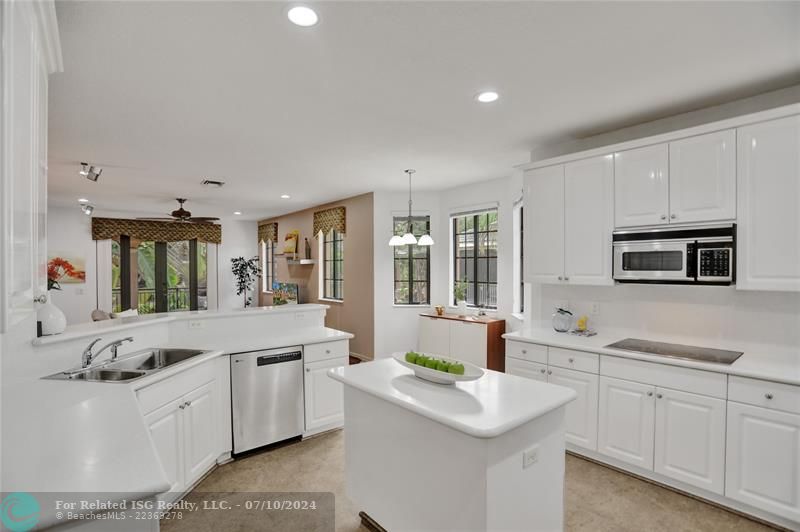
[(529, 370), (324, 397), (768, 239), (690, 439), (468, 342), (763, 459), (434, 336), (626, 421), (166, 430), (582, 412), (200, 431), (544, 225), (641, 186), (588, 220), (702, 178)]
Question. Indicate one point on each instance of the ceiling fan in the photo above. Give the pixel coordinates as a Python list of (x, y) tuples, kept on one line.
[(181, 215)]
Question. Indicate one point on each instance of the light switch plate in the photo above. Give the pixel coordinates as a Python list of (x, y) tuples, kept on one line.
[(530, 457)]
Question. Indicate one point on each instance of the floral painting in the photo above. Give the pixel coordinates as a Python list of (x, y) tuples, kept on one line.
[(65, 270)]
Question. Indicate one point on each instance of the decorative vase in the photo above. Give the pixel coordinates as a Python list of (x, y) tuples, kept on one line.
[(462, 308), (53, 320)]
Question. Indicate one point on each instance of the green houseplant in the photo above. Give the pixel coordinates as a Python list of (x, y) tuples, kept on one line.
[(245, 271), (460, 295)]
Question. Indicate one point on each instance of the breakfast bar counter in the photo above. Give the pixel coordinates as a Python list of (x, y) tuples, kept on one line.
[(481, 455)]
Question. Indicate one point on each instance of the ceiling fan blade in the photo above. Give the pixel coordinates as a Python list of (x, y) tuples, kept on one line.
[(201, 219), (158, 219)]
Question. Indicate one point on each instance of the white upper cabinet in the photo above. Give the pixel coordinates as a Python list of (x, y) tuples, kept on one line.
[(569, 220), (768, 240), (702, 178), (588, 220), (641, 186), (544, 224)]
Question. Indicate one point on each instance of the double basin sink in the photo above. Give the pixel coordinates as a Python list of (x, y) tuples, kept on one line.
[(130, 366)]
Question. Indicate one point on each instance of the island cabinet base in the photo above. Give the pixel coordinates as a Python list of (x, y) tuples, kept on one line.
[(408, 472)]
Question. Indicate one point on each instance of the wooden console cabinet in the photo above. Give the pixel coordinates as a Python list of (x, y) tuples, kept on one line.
[(474, 339)]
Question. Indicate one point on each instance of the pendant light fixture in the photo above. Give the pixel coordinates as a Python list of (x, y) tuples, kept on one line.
[(408, 238)]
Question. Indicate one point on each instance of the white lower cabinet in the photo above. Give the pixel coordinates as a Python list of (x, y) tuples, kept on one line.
[(434, 335), (690, 439), (763, 459), (324, 397), (468, 342), (627, 414), (185, 434), (581, 422)]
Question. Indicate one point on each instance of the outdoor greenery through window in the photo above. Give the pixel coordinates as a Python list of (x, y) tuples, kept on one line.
[(333, 265), (475, 256), (160, 277), (268, 265), (520, 257), (412, 266)]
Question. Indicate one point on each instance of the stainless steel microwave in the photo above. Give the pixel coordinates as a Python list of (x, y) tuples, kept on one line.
[(695, 254)]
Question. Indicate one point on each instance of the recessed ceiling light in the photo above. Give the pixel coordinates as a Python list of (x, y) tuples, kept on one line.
[(487, 96), (83, 200), (285, 196), (303, 16), (237, 213)]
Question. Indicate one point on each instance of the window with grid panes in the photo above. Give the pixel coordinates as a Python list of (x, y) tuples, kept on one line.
[(333, 265), (412, 265), (268, 265), (475, 256)]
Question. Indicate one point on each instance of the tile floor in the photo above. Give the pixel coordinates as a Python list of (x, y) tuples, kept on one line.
[(597, 498)]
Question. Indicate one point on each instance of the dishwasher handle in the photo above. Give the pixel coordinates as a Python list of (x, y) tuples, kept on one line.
[(279, 358)]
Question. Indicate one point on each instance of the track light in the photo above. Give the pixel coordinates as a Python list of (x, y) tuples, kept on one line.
[(87, 209), (90, 172)]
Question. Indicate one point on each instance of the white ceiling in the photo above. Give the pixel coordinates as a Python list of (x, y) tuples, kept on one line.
[(164, 94)]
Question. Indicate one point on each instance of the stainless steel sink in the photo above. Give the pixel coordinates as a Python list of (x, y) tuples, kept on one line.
[(154, 359), (131, 366), (105, 375)]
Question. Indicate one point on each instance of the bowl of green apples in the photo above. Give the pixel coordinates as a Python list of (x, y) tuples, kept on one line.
[(438, 369)]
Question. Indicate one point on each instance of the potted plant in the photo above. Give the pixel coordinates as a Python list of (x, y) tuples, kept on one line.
[(246, 271), (460, 294)]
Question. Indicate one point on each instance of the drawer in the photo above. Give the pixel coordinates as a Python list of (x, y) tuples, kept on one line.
[(764, 393), (578, 360), (666, 376), (325, 351), (526, 351), (523, 368)]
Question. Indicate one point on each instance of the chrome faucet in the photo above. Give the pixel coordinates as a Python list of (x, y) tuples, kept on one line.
[(88, 356)]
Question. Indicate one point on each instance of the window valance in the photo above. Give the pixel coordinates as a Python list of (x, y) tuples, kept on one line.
[(112, 228), (268, 231), (334, 218)]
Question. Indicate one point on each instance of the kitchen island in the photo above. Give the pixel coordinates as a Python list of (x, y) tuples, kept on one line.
[(480, 455)]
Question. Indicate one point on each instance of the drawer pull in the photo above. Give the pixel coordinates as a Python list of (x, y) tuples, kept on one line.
[(659, 396), (550, 372), (768, 395), (649, 394), (542, 370), (571, 360), (524, 351), (308, 370), (327, 351)]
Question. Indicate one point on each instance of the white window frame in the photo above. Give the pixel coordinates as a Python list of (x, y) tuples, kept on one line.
[(518, 250), (321, 270)]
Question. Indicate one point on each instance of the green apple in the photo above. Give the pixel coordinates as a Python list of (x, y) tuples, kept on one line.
[(421, 360), (456, 369), (431, 363), (411, 357), (443, 366)]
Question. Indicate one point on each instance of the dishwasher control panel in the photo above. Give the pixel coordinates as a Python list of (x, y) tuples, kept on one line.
[(277, 359)]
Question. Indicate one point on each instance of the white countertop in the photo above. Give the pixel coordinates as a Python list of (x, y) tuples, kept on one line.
[(774, 363), (484, 408)]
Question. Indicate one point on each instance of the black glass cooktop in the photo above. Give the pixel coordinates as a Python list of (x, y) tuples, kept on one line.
[(687, 352)]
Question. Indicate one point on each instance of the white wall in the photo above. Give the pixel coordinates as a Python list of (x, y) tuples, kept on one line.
[(69, 232), (396, 326)]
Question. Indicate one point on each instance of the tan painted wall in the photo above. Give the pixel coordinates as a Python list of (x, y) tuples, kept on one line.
[(354, 314)]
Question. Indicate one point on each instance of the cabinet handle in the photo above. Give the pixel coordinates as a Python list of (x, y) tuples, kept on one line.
[(542, 370), (659, 396), (327, 351), (673, 216), (40, 299), (663, 216), (549, 371), (524, 351), (188, 403), (182, 406), (308, 370), (768, 395), (571, 360), (649, 394), (560, 278), (566, 278)]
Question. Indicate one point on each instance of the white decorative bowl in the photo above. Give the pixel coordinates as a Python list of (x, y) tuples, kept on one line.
[(471, 371)]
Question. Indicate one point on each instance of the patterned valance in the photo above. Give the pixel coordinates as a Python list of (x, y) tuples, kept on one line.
[(328, 219), (268, 231), (112, 228)]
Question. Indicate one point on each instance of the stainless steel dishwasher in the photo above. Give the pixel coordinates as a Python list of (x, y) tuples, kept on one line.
[(267, 396)]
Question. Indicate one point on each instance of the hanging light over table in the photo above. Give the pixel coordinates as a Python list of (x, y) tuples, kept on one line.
[(408, 238)]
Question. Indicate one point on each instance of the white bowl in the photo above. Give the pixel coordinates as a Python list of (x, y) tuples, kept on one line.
[(471, 371)]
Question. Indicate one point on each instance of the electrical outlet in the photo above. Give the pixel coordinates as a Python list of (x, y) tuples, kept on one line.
[(594, 308), (530, 457), (196, 324), (299, 316)]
